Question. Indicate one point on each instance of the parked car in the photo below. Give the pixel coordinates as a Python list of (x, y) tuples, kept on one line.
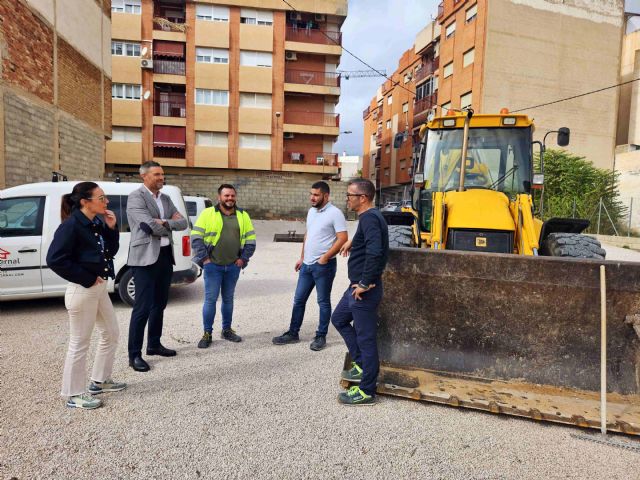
[(390, 207), (195, 206), (30, 215)]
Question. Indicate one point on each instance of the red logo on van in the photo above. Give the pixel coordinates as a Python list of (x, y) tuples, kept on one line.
[(4, 254)]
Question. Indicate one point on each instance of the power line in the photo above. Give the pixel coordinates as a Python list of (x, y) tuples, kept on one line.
[(381, 74), (577, 96)]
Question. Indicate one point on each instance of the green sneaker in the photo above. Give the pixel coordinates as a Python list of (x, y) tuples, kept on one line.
[(86, 401), (107, 386), (354, 375), (355, 396)]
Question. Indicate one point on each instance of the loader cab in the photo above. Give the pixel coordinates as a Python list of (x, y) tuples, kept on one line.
[(499, 158)]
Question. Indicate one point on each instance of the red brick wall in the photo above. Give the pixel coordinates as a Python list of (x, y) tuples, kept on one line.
[(79, 85), (27, 50)]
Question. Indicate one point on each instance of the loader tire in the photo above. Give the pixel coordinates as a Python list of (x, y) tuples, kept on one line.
[(401, 236), (573, 245)]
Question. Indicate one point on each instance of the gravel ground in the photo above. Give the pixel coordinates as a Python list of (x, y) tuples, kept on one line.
[(254, 410)]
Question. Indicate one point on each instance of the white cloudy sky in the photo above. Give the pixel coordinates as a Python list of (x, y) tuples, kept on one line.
[(379, 31)]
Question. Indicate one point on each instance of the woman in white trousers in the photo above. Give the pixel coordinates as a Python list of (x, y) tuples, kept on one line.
[(82, 252)]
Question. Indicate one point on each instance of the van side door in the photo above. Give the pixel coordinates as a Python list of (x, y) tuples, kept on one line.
[(21, 220)]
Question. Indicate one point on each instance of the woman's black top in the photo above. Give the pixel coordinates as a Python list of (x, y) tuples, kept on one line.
[(83, 250)]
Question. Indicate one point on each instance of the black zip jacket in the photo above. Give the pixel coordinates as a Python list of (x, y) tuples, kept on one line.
[(76, 252), (369, 248)]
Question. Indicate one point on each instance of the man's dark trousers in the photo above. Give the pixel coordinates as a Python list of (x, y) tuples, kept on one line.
[(360, 337), (152, 293)]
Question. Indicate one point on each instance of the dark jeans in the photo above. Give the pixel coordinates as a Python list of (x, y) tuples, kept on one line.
[(321, 277), (217, 279), (361, 336), (152, 293)]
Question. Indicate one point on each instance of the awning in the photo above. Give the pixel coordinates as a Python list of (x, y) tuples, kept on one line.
[(168, 49), (171, 136), (169, 145)]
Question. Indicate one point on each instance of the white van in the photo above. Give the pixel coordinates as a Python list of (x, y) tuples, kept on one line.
[(30, 215), (195, 206)]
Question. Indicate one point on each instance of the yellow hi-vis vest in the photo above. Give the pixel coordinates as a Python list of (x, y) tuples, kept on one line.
[(209, 225)]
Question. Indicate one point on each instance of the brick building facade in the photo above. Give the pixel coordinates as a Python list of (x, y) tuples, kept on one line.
[(55, 83)]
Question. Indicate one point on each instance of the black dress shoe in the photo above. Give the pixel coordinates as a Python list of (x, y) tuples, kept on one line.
[(162, 351), (138, 364)]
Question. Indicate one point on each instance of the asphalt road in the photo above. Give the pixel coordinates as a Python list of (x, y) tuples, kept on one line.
[(254, 410)]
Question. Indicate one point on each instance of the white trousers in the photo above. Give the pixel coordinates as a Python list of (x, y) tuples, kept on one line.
[(88, 307)]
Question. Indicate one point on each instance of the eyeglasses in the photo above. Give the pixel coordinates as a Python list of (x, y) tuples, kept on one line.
[(101, 198), (355, 195)]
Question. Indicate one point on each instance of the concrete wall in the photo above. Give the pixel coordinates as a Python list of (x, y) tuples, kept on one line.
[(555, 50), (629, 69), (628, 164), (263, 194)]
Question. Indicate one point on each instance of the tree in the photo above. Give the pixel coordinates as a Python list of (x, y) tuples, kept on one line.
[(573, 189)]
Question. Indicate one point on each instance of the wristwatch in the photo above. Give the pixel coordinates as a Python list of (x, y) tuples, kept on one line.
[(363, 286)]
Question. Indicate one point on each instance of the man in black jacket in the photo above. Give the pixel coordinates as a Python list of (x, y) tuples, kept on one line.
[(356, 316)]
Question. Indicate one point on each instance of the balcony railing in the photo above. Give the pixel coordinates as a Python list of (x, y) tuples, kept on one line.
[(366, 112), (321, 119), (379, 137), (171, 67), (170, 105), (309, 77), (312, 35), (311, 158), (440, 9), (168, 152), (425, 103), (378, 113), (427, 69)]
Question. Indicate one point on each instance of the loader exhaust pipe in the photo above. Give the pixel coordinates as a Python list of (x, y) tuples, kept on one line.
[(465, 148)]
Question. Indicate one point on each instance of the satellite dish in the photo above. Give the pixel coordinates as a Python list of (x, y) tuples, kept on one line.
[(144, 51), (146, 95)]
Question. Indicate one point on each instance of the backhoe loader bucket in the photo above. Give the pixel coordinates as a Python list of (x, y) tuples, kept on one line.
[(511, 334)]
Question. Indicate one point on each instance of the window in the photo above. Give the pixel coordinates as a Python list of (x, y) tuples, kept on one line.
[(387, 148), (255, 100), (427, 88), (403, 164), (249, 58), (405, 107), (126, 6), (212, 97), (249, 140), (389, 100), (212, 139), (125, 49), (465, 100), (472, 13), (446, 107), (125, 91), (212, 13), (256, 17), (467, 58), (450, 30), (212, 55), (126, 134), (118, 205), (23, 216), (388, 124), (386, 172), (448, 70)]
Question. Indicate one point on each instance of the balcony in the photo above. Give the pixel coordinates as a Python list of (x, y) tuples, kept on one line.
[(427, 68), (379, 137), (169, 67), (378, 113), (316, 162), (440, 10), (168, 152), (170, 105), (320, 119), (422, 107), (313, 35), (366, 112), (310, 77), (169, 141), (169, 16)]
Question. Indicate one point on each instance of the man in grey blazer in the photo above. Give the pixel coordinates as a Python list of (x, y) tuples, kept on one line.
[(152, 216)]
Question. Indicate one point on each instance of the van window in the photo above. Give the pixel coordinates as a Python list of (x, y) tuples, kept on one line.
[(208, 203), (118, 205), (192, 208), (21, 216)]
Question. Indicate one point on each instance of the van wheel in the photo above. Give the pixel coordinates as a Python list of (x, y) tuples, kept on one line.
[(573, 245), (126, 288)]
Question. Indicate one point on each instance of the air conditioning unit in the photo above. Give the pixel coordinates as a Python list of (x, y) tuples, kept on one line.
[(290, 56), (318, 17), (146, 63), (295, 16), (288, 135)]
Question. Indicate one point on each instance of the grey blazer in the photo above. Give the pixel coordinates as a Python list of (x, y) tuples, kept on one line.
[(144, 248)]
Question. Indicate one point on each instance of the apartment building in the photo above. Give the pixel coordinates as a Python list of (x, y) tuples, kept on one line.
[(243, 91), (55, 79), (518, 54)]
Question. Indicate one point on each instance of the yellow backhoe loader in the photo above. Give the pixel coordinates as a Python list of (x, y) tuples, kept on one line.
[(490, 307)]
